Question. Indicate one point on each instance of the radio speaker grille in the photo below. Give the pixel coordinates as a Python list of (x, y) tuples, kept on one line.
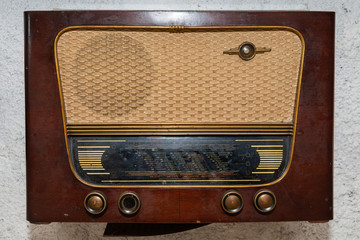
[(115, 76)]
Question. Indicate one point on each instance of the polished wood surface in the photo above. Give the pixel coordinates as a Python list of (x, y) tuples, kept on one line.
[(53, 193)]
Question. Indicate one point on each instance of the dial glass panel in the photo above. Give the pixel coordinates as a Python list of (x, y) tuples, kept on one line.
[(180, 160)]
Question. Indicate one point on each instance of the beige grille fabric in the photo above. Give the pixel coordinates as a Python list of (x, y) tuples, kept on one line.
[(115, 76)]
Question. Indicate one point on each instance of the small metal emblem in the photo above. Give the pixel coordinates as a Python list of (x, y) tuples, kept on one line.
[(246, 51)]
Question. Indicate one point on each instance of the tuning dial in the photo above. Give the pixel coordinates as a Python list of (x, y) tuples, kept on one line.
[(129, 203), (232, 202), (265, 201), (95, 202)]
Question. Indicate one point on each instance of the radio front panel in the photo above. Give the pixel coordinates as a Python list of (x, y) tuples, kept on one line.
[(179, 117)]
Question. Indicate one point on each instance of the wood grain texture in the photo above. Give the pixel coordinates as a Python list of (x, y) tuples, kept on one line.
[(53, 193)]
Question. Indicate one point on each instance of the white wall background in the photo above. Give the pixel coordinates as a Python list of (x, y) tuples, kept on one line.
[(13, 224)]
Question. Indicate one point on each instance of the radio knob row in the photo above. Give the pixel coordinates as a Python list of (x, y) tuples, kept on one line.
[(264, 201), (96, 202), (129, 202)]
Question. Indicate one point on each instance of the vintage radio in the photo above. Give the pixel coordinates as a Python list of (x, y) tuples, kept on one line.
[(179, 117)]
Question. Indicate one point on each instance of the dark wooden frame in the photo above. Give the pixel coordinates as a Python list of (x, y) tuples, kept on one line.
[(54, 194)]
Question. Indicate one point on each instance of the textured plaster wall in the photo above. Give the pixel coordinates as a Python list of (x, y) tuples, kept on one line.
[(347, 117)]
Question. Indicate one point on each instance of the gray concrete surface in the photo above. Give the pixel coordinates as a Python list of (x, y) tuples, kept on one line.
[(13, 224)]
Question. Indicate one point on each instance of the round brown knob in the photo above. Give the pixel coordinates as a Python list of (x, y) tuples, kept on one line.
[(129, 203), (232, 202), (95, 202), (265, 201)]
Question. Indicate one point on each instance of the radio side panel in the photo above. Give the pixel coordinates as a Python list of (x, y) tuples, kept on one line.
[(55, 195)]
